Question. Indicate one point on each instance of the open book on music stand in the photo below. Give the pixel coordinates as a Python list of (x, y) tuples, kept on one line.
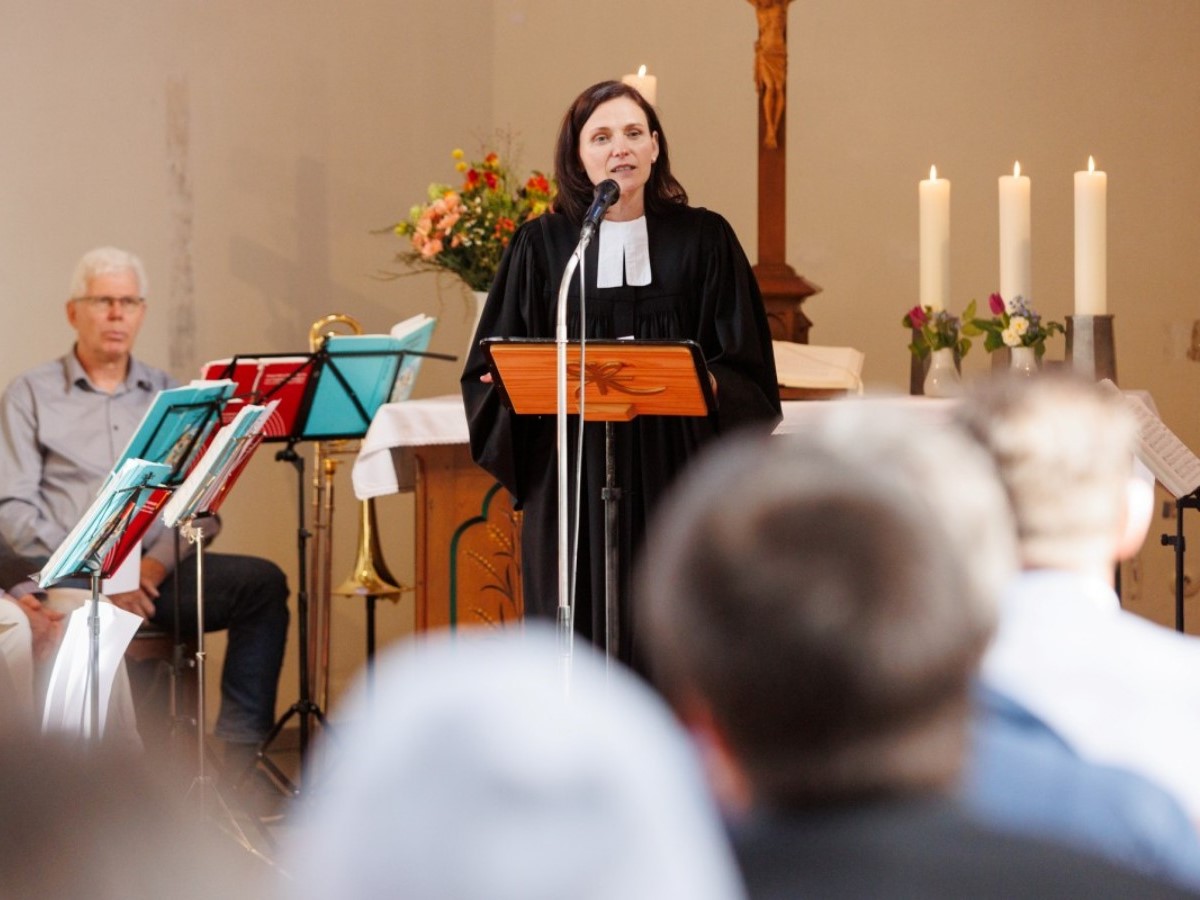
[(334, 391), (621, 381)]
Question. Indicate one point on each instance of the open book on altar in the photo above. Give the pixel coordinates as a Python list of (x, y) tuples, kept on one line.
[(818, 368)]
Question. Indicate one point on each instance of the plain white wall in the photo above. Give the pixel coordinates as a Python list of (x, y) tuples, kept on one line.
[(247, 151)]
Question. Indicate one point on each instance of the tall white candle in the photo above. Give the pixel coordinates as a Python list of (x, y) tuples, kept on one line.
[(647, 85), (1015, 277), (1091, 242), (934, 196)]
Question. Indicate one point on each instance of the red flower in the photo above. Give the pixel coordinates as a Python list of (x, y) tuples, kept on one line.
[(491, 179), (472, 178), (917, 317), (996, 304), (505, 226)]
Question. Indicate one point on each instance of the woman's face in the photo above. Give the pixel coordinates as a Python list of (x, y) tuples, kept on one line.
[(616, 142)]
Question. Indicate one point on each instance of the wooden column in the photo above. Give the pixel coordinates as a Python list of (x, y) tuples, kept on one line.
[(784, 291)]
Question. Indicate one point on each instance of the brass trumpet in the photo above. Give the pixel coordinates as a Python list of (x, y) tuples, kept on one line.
[(370, 577)]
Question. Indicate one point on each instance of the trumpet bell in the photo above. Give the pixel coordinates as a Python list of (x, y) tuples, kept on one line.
[(370, 576)]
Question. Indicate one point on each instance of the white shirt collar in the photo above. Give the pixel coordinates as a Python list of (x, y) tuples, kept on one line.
[(624, 254)]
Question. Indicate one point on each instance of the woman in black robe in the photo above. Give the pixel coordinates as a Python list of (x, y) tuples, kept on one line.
[(657, 270)]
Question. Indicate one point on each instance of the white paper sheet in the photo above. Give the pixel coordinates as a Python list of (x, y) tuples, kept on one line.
[(67, 697)]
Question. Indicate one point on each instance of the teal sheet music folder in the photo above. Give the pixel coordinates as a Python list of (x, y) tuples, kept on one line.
[(363, 372), (177, 425), (119, 499)]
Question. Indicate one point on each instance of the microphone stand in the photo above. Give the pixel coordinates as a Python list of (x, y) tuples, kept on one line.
[(607, 193), (565, 626)]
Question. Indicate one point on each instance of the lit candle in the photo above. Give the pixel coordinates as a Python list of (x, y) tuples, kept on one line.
[(1014, 235), (647, 85), (934, 195), (1091, 242)]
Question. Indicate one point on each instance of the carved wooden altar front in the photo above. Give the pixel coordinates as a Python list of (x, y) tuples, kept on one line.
[(468, 550)]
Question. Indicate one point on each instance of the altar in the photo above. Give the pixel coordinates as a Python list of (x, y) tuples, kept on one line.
[(468, 536)]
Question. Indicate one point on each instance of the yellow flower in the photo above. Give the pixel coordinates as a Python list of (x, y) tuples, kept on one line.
[(458, 154)]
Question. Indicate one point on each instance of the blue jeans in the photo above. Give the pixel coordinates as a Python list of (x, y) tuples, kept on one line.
[(248, 597)]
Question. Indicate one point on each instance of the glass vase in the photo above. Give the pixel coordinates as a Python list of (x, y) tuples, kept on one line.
[(942, 379)]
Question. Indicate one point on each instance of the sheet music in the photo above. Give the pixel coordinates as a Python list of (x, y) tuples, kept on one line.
[(1173, 463)]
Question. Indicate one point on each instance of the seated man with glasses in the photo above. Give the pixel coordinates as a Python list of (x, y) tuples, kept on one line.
[(62, 426)]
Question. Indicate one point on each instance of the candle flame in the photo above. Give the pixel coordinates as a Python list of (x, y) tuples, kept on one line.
[(1016, 170), (641, 71), (1091, 164), (933, 173)]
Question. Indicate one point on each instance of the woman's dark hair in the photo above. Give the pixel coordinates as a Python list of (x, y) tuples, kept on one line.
[(575, 189)]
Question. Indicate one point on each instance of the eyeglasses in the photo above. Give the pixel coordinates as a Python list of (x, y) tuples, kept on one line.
[(127, 304)]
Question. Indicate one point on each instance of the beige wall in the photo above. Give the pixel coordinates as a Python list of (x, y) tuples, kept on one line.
[(246, 150)]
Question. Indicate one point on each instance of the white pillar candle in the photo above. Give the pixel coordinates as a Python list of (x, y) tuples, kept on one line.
[(647, 85), (934, 196), (1091, 242), (1014, 236)]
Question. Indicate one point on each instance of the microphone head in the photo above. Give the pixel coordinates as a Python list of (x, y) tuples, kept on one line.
[(608, 191)]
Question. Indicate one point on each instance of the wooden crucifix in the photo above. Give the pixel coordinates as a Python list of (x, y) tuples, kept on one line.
[(783, 290)]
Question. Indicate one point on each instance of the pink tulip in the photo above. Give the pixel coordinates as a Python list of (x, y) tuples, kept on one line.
[(996, 304)]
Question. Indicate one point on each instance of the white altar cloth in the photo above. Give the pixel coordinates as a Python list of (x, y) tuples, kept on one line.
[(384, 466)]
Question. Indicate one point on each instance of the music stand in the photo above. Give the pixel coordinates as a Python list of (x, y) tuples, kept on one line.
[(342, 391), (622, 380), (89, 550), (199, 497)]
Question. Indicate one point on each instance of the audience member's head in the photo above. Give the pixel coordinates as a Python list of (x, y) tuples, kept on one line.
[(470, 772), (820, 602), (1064, 450)]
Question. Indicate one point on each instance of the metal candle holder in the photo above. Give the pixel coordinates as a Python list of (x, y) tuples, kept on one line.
[(1090, 347)]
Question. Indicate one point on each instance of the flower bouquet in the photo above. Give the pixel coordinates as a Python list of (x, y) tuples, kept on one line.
[(464, 230), (938, 330), (1013, 324)]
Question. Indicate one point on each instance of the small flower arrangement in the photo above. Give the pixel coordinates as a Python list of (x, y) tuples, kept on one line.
[(465, 230), (1014, 324), (938, 330)]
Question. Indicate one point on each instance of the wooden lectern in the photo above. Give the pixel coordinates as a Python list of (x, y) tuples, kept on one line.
[(617, 381)]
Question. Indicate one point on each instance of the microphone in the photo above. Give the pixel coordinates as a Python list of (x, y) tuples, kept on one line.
[(607, 193)]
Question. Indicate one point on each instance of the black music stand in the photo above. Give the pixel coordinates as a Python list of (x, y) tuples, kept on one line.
[(623, 379), (338, 402), (1177, 543)]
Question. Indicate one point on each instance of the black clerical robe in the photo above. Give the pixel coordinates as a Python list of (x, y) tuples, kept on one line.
[(702, 289)]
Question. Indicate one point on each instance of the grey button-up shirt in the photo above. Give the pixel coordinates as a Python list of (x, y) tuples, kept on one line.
[(59, 438)]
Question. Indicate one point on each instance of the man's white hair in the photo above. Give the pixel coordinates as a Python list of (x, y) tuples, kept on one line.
[(106, 261)]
